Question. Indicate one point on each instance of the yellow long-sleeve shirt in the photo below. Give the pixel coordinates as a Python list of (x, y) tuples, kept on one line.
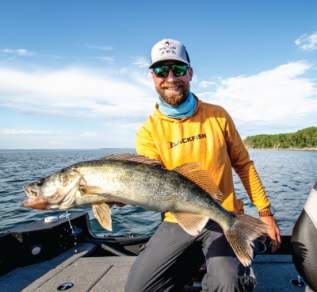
[(210, 138)]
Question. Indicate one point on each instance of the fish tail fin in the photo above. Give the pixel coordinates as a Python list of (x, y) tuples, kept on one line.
[(241, 235)]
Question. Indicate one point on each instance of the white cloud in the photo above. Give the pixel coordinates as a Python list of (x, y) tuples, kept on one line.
[(74, 92), (89, 134), (110, 134), (272, 96), (307, 42), (144, 79), (13, 131), (206, 83), (109, 106), (17, 52), (116, 103), (141, 62), (13, 138)]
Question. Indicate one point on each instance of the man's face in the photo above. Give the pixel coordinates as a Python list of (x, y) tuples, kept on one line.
[(172, 89)]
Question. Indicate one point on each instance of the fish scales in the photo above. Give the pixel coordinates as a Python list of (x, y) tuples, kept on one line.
[(135, 180), (130, 181)]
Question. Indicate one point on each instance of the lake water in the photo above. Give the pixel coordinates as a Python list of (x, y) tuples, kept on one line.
[(288, 177)]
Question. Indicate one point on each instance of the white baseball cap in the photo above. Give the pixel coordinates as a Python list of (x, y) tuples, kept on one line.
[(169, 49)]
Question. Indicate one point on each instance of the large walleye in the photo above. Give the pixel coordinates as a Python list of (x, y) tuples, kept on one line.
[(187, 192)]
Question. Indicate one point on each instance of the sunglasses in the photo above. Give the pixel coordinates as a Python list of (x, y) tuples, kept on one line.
[(162, 71)]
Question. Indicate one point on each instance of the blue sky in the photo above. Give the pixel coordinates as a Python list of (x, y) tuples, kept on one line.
[(73, 73)]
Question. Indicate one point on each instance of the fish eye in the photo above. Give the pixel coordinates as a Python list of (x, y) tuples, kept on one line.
[(41, 182)]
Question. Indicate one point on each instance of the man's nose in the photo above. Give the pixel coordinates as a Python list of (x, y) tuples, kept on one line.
[(170, 76)]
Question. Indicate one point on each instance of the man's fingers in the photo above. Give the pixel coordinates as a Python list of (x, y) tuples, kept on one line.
[(278, 237), (273, 232), (275, 242), (275, 246)]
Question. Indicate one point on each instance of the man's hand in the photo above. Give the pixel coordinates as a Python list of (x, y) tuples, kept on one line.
[(273, 232)]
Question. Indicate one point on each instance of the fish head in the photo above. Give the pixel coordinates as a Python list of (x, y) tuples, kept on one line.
[(57, 191)]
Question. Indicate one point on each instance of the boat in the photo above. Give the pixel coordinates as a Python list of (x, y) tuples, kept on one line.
[(62, 253)]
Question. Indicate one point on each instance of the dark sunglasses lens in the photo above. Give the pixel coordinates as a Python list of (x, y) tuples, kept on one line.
[(161, 71), (179, 70)]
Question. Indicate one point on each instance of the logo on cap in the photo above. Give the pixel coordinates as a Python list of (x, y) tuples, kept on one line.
[(168, 49)]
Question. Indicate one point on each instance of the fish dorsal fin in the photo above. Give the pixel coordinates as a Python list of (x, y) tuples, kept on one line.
[(202, 178), (102, 213), (133, 157), (193, 224)]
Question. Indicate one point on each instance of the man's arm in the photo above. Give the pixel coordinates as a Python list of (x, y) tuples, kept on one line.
[(244, 167)]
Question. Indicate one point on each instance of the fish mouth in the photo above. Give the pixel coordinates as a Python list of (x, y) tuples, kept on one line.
[(34, 200), (30, 192), (36, 203)]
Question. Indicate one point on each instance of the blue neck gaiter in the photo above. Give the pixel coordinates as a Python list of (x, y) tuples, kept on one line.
[(184, 110)]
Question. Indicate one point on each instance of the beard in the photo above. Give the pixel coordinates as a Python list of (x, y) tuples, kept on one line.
[(173, 93)]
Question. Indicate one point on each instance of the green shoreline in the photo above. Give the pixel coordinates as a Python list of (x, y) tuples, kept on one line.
[(281, 149), (301, 140)]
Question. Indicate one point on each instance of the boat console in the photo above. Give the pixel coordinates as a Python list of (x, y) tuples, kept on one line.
[(304, 241)]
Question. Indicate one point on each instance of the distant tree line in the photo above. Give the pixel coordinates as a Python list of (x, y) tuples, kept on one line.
[(305, 138)]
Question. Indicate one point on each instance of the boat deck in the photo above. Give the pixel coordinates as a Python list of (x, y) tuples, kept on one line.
[(90, 273)]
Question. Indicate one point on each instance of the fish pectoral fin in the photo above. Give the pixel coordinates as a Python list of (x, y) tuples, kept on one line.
[(202, 178), (102, 213), (91, 190), (193, 224)]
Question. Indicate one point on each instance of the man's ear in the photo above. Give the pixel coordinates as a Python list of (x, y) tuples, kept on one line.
[(190, 72)]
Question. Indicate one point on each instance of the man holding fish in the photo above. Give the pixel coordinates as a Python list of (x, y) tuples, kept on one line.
[(183, 129), (187, 149)]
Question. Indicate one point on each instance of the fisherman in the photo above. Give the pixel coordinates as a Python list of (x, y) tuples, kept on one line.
[(184, 129)]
